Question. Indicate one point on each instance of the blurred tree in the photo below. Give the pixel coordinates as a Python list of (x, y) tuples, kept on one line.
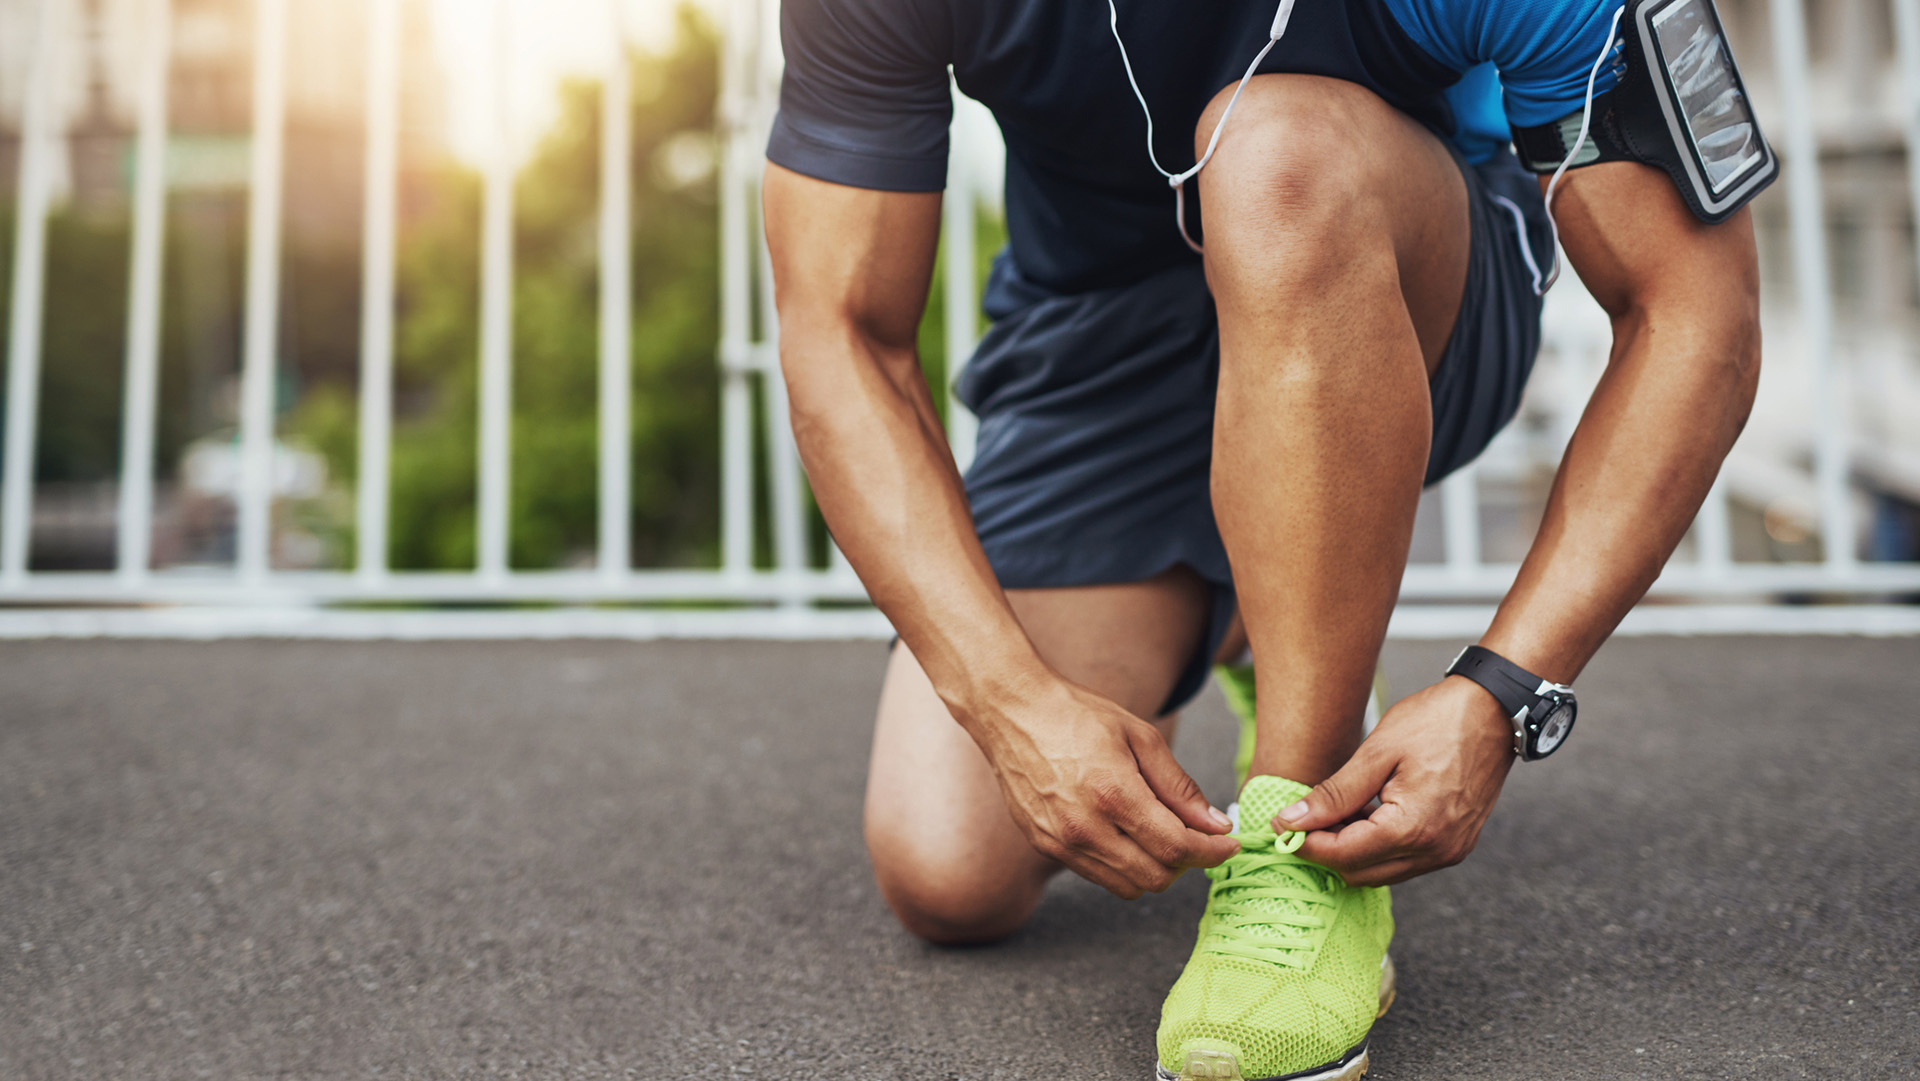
[(555, 340), (554, 513), (83, 329)]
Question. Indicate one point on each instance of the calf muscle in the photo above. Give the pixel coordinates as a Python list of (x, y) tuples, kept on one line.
[(1337, 235)]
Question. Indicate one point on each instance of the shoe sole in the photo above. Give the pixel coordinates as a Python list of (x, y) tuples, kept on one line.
[(1223, 1066)]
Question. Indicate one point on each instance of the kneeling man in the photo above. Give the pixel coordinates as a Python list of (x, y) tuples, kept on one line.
[(1220, 399)]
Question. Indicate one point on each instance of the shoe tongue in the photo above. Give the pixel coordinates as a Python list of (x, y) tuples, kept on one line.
[(1260, 801), (1266, 796)]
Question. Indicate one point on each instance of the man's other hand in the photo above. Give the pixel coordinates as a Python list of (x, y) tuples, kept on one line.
[(1436, 763), (1098, 789)]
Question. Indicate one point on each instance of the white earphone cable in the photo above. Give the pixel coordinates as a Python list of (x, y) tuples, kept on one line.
[(1540, 287), (1178, 181)]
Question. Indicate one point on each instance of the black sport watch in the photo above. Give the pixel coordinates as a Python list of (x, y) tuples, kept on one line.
[(1542, 710)]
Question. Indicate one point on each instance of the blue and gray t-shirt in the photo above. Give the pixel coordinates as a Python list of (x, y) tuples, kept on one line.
[(865, 99)]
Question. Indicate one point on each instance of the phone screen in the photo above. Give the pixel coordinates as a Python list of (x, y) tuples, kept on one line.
[(1699, 67)]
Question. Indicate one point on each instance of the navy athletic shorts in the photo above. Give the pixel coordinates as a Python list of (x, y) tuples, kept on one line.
[(1096, 414)]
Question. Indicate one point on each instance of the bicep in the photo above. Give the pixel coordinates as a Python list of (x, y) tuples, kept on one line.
[(852, 258), (856, 163), (1627, 231)]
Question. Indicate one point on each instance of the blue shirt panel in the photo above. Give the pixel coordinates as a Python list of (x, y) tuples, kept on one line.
[(1480, 125), (1544, 49)]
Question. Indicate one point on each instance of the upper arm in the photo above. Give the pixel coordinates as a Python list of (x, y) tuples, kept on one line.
[(856, 162), (1622, 224), (849, 259), (1639, 249)]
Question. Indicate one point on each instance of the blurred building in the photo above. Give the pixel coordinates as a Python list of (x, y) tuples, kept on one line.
[(211, 102), (210, 106), (1861, 119)]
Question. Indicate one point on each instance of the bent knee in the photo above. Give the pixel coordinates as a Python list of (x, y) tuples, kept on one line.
[(1295, 143), (952, 901), (1309, 172)]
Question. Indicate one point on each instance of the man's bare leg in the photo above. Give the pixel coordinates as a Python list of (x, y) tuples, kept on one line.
[(1336, 246), (949, 859)]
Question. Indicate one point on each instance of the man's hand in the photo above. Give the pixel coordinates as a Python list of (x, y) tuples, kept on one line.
[(1097, 788), (1436, 762)]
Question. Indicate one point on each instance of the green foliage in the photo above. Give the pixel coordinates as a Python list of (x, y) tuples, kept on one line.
[(554, 470), (83, 332)]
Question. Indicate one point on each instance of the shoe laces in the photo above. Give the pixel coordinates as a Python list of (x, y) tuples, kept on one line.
[(1267, 903)]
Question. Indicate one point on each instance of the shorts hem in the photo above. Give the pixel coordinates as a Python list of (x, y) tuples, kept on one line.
[(1049, 567), (1070, 564)]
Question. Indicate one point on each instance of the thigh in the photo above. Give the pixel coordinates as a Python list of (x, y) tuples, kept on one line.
[(933, 805)]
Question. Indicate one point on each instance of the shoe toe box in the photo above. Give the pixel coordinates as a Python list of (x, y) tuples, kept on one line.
[(1270, 1026)]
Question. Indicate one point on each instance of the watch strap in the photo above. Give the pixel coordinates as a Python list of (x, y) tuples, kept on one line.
[(1513, 686)]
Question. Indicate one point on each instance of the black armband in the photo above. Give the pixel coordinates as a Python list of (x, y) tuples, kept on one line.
[(1679, 105)]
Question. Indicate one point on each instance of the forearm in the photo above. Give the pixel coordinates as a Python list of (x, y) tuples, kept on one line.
[(886, 482), (851, 271), (1675, 395)]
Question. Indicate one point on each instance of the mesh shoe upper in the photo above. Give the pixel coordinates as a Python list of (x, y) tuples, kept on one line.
[(1286, 972)]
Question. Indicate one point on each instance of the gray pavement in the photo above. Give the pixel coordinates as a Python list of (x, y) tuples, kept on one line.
[(559, 860)]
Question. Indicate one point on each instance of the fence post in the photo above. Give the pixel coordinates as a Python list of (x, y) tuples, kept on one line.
[(140, 415), (28, 296), (961, 302), (616, 307), (1460, 521), (783, 457), (736, 343), (262, 332), (377, 289), (1906, 37), (1832, 457), (496, 313)]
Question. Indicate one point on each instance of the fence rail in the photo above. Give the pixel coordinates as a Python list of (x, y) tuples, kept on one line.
[(801, 578)]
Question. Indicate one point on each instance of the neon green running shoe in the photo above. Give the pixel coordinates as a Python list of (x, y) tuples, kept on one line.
[(1236, 684), (1291, 967)]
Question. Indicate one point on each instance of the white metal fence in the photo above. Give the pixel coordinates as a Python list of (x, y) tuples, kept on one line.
[(1448, 596)]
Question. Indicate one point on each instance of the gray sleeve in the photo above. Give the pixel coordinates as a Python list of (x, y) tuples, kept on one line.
[(864, 100)]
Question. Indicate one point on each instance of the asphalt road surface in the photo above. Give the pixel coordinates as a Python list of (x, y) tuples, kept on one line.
[(606, 860)]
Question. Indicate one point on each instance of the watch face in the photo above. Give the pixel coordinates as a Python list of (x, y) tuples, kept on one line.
[(1553, 728)]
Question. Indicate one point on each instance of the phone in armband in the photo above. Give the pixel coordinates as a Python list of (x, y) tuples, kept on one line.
[(1679, 105)]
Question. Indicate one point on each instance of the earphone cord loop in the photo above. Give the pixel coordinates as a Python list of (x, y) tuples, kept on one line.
[(1178, 182), (1586, 127), (1213, 143)]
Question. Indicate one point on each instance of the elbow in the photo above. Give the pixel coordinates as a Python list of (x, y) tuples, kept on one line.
[(1744, 362), (1711, 343), (1734, 348), (816, 374), (830, 366), (1739, 317)]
